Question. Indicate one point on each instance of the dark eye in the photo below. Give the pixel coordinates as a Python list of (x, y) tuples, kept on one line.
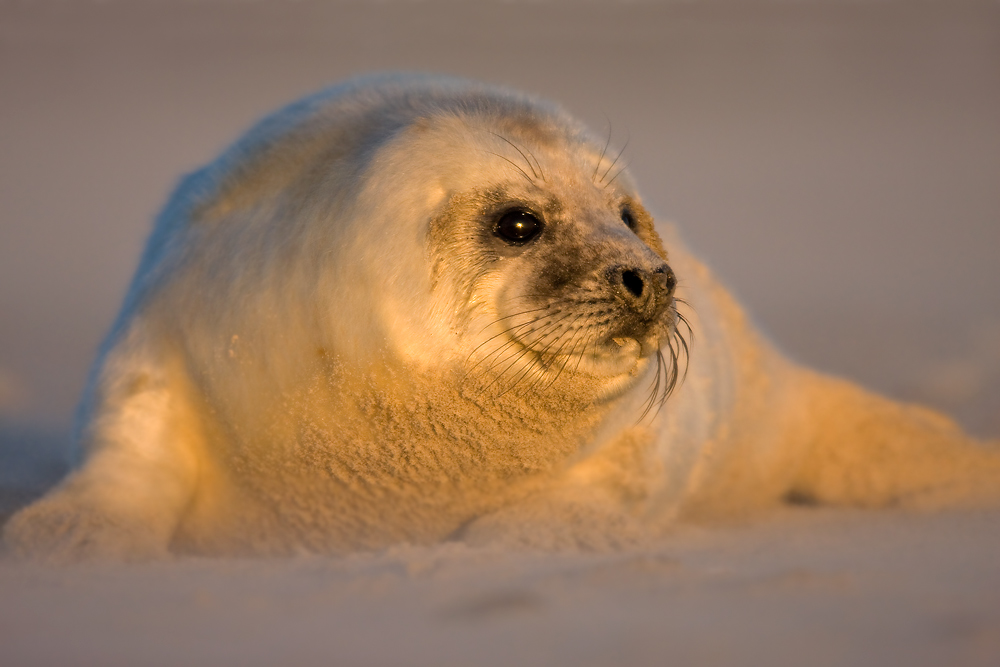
[(629, 219), (517, 227)]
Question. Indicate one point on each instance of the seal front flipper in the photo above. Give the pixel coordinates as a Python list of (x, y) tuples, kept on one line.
[(139, 471)]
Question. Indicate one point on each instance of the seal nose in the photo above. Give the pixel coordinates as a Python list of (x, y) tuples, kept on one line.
[(642, 289)]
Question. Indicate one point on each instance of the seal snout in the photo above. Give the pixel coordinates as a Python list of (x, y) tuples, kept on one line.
[(646, 292)]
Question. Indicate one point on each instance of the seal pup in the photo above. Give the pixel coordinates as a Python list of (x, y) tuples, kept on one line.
[(411, 309)]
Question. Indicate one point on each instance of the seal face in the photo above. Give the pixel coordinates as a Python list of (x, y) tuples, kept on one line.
[(571, 277), (415, 308)]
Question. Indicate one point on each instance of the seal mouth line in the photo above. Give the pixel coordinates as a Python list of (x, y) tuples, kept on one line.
[(507, 331), (545, 360), (538, 357)]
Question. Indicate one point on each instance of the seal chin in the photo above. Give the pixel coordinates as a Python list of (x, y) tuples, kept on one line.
[(619, 357), (620, 363), (613, 375)]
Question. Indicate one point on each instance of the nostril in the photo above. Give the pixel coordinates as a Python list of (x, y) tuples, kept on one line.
[(668, 277), (671, 281), (632, 282)]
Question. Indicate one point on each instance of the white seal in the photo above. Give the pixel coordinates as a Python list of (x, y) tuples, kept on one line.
[(416, 309)]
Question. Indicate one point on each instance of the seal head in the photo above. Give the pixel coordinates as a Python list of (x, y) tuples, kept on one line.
[(544, 262)]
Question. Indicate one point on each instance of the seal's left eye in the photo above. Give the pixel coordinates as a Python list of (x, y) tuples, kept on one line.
[(629, 219), (517, 227)]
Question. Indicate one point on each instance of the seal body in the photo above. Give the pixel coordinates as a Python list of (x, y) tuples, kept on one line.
[(415, 309)]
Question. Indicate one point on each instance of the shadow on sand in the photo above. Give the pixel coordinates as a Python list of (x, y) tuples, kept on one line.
[(32, 460)]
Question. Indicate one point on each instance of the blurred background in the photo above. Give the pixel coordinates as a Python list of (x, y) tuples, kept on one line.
[(836, 162)]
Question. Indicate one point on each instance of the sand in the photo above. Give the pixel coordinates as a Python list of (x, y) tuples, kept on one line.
[(806, 587)]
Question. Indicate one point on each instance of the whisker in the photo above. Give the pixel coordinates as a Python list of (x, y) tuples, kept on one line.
[(505, 346), (546, 356), (507, 331), (514, 341), (530, 166), (687, 352), (569, 341), (537, 163), (563, 341), (507, 317), (648, 404), (670, 374), (687, 324), (603, 151), (674, 374), (613, 163), (537, 360), (579, 356), (517, 356), (617, 174), (523, 172), (539, 350)]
